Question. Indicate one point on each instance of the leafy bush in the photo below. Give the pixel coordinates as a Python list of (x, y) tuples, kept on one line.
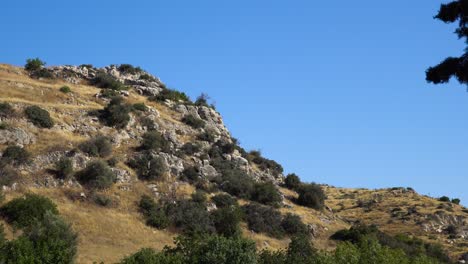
[(6, 110), (33, 65), (263, 219), (140, 107), (4, 126), (191, 217), (191, 174), (153, 140), (108, 93), (65, 89), (15, 155), (190, 148), (202, 100), (147, 77), (193, 121), (97, 175), (227, 221), (456, 201), (224, 200), (311, 195), (8, 175), (102, 200), (199, 197), (150, 256), (168, 94), (106, 81), (293, 225), (27, 210), (444, 199), (99, 146), (148, 167), (39, 117), (148, 123), (116, 113), (50, 240), (292, 181), (208, 135), (265, 164), (129, 69), (237, 183), (64, 168), (266, 193), (154, 214), (300, 250)]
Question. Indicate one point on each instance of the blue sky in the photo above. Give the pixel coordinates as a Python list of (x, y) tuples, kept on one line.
[(333, 90)]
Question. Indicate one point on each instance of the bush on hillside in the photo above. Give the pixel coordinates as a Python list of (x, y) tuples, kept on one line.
[(64, 168), (444, 199), (106, 81), (65, 89), (154, 214), (293, 225), (191, 174), (224, 200), (190, 148), (237, 183), (147, 77), (292, 181), (263, 219), (27, 210), (456, 201), (148, 167), (193, 121), (199, 197), (39, 117), (266, 193), (227, 220), (97, 175), (153, 140), (148, 123), (300, 250), (208, 135), (15, 155), (311, 195), (191, 218), (150, 256), (33, 65), (116, 113), (8, 175), (129, 69), (99, 146), (140, 107), (168, 94), (263, 163), (6, 110)]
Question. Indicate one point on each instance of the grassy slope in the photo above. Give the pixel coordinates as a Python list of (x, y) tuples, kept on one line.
[(107, 234)]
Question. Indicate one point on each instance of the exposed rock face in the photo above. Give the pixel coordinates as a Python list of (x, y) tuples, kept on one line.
[(16, 136)]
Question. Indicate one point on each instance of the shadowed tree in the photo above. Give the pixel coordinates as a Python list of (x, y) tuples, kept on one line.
[(452, 66)]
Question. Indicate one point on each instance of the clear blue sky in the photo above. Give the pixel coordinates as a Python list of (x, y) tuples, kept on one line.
[(333, 90)]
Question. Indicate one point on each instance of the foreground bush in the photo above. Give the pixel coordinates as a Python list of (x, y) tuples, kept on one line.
[(97, 175), (311, 195), (99, 146), (15, 155), (150, 256), (27, 210), (39, 117)]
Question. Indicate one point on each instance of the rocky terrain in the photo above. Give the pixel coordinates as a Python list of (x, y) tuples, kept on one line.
[(111, 232)]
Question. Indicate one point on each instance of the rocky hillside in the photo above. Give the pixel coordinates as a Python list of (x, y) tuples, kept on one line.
[(156, 142)]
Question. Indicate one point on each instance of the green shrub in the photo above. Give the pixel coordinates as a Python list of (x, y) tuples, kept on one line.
[(148, 123), (97, 175), (4, 126), (15, 155), (193, 121), (456, 201), (64, 168), (227, 221), (311, 195), (202, 100), (263, 219), (8, 175), (191, 217), (116, 113), (106, 81), (266, 193), (102, 200), (27, 210), (99, 146), (65, 89), (265, 164), (199, 197), (300, 250), (191, 174), (50, 240), (39, 117), (148, 167), (6, 110), (140, 107), (108, 93), (168, 94), (129, 69), (33, 65), (189, 149), (237, 183), (153, 140), (208, 135), (224, 200), (293, 225), (147, 77), (271, 257), (42, 73), (150, 256), (292, 181), (444, 199)]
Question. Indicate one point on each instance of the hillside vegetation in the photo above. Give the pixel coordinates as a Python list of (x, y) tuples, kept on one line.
[(113, 162)]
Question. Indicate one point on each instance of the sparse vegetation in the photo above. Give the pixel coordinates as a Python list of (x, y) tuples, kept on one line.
[(255, 156), (39, 117), (102, 200), (6, 110), (15, 155), (106, 81), (64, 168), (8, 175), (65, 89), (190, 148), (168, 94), (193, 121), (147, 77), (140, 107), (96, 175), (129, 69), (99, 146)]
